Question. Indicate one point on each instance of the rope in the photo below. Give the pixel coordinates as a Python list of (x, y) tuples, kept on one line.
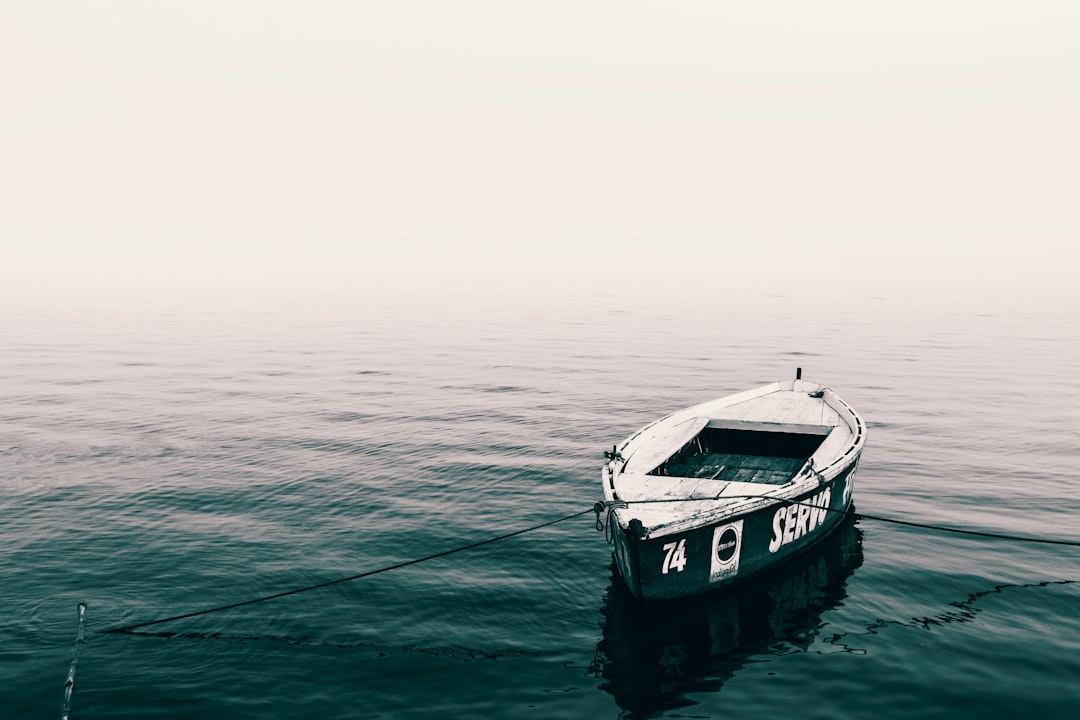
[(69, 685), (604, 525), (942, 528), (611, 505), (296, 591)]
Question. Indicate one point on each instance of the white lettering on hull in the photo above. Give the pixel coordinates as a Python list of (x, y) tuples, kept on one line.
[(792, 522), (849, 486)]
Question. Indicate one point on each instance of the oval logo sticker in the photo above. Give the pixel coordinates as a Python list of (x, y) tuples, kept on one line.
[(727, 547)]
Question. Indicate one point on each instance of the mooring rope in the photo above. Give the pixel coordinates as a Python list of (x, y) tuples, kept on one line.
[(602, 524), (960, 531), (611, 505), (605, 525), (69, 685), (328, 583)]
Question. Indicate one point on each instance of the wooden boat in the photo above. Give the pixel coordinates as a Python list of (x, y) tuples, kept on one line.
[(721, 491)]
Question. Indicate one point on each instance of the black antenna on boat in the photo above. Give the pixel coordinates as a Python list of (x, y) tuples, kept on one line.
[(798, 373)]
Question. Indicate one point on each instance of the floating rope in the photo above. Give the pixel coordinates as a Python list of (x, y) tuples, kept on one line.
[(296, 591), (80, 640), (611, 505)]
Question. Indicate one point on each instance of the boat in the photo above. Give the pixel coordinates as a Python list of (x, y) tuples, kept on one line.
[(722, 491)]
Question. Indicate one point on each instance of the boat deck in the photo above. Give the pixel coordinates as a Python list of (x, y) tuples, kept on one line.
[(737, 467), (788, 407), (745, 452)]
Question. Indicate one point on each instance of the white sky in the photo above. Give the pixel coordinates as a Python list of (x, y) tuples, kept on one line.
[(176, 150)]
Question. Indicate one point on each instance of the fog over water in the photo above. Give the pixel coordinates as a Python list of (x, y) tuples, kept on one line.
[(255, 152)]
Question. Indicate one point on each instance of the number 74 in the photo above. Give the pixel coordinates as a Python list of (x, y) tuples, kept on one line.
[(675, 556)]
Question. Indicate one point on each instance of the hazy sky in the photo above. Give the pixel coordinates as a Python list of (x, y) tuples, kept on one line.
[(168, 150)]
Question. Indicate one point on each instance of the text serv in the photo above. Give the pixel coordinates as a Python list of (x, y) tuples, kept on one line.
[(791, 522)]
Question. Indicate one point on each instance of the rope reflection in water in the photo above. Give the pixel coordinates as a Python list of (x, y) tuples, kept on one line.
[(80, 640)]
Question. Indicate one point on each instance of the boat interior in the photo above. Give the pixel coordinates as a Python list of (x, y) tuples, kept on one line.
[(764, 453)]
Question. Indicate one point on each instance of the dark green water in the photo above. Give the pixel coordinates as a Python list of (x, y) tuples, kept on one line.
[(155, 464)]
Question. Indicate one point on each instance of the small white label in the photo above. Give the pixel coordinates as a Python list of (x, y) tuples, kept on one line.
[(726, 550)]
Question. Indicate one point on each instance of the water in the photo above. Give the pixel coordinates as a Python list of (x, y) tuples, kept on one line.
[(154, 464)]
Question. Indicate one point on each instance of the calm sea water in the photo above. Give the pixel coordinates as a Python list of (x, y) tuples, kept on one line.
[(153, 464)]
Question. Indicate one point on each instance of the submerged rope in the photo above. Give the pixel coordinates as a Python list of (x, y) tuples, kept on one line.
[(296, 591)]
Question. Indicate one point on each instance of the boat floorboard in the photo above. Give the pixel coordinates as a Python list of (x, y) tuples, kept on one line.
[(732, 467)]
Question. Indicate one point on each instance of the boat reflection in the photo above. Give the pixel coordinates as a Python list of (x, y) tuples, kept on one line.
[(653, 653)]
